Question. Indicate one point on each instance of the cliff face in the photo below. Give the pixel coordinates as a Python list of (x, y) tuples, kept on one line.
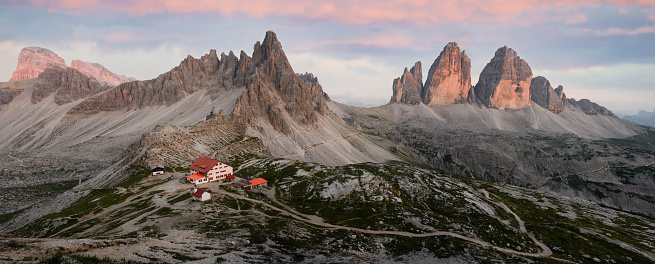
[(449, 78), (407, 88), (275, 92), (208, 72), (99, 72), (34, 60), (505, 81), (590, 108), (543, 94), (68, 84)]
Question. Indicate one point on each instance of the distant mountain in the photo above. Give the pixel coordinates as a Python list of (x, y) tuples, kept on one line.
[(32, 61), (643, 118)]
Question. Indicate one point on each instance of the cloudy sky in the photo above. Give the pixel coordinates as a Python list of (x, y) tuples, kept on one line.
[(603, 50)]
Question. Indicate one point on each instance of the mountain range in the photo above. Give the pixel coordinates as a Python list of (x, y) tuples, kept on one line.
[(32, 61), (508, 128)]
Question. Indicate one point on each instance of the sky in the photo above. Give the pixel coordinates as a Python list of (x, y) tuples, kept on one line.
[(603, 50)]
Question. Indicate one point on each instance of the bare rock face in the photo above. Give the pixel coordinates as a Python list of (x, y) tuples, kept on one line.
[(407, 88), (275, 92), (449, 78), (34, 60), (591, 108), (505, 82), (68, 84), (543, 94), (99, 72), (208, 72)]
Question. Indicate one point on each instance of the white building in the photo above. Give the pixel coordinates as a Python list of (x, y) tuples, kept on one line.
[(206, 170), (200, 194)]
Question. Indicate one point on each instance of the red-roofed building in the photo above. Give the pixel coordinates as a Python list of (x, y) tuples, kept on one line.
[(210, 170), (200, 194), (256, 183)]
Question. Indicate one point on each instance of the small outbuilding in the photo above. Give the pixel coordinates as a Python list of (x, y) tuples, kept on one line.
[(157, 170), (200, 194), (259, 182)]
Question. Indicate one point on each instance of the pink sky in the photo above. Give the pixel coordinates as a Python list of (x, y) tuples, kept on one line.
[(418, 12)]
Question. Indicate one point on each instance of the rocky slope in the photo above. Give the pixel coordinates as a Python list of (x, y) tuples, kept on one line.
[(67, 84), (599, 158), (367, 212), (504, 82), (543, 94), (449, 78), (99, 72), (32, 61), (590, 108), (407, 88), (643, 118)]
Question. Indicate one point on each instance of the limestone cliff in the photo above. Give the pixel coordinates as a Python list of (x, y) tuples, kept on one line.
[(505, 81), (449, 78), (407, 88), (99, 72), (68, 84), (590, 108), (276, 92), (34, 60), (543, 94)]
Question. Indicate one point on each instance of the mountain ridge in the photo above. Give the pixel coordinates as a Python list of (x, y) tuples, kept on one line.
[(33, 60)]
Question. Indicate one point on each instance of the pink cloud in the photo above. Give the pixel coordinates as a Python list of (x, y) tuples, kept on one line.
[(626, 32), (397, 41), (579, 18), (420, 12)]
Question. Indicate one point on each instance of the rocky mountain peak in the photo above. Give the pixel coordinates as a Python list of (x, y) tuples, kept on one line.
[(505, 81), (100, 73), (543, 94), (68, 84), (33, 60), (449, 78), (407, 88)]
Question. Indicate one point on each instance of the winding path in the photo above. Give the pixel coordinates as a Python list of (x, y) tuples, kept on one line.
[(316, 220)]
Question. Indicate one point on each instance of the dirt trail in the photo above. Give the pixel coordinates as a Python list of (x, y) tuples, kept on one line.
[(315, 220)]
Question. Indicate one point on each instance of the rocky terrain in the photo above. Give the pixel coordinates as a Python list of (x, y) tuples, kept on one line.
[(643, 118), (504, 82), (543, 94), (313, 213), (408, 88), (449, 78), (32, 61), (361, 184), (531, 147), (99, 72)]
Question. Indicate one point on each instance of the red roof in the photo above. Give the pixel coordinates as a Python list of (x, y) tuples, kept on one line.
[(258, 181), (195, 177), (203, 164), (199, 192)]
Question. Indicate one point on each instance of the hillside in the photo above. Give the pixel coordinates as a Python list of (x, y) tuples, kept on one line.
[(595, 157), (354, 213)]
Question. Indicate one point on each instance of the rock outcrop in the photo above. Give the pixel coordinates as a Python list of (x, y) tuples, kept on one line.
[(590, 108), (208, 72), (407, 88), (275, 92), (543, 94), (99, 72), (34, 60), (505, 81), (68, 84), (449, 78)]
